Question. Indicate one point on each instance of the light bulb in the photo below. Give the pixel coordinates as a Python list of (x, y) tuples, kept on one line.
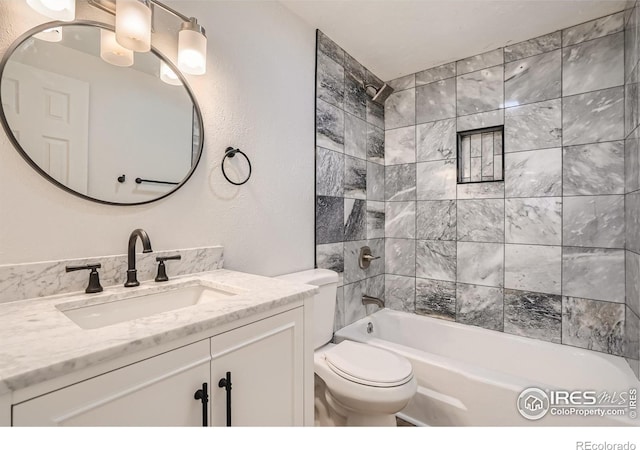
[(133, 24), (168, 75), (50, 35), (112, 52), (64, 10), (192, 48)]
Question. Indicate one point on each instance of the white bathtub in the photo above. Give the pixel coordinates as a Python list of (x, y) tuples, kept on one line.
[(472, 376)]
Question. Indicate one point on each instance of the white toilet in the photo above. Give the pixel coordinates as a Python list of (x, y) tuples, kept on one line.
[(355, 384)]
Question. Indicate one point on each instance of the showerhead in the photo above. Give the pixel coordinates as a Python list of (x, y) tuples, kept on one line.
[(382, 94)]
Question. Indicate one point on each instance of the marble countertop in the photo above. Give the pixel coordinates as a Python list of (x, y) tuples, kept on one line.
[(39, 343)]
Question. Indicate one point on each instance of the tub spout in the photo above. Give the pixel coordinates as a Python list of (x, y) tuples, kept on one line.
[(367, 300)]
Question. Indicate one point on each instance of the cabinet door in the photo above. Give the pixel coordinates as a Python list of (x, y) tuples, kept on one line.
[(265, 360), (155, 392)]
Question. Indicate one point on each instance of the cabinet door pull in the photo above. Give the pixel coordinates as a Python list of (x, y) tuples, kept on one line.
[(203, 396), (226, 384)]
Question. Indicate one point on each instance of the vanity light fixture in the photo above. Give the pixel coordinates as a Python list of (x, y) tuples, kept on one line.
[(134, 27), (168, 75), (133, 24), (64, 10), (112, 52), (50, 35)]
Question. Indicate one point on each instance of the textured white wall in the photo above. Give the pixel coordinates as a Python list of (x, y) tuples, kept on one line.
[(258, 95)]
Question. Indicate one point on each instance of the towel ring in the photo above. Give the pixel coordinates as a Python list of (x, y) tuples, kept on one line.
[(230, 152)]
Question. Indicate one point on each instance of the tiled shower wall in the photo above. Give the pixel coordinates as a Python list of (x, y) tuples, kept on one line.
[(541, 254), (632, 184), (349, 177)]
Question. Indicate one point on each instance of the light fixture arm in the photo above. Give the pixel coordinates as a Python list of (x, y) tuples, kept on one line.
[(110, 7)]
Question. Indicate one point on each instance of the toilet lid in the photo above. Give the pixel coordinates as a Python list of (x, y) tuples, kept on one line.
[(369, 365)]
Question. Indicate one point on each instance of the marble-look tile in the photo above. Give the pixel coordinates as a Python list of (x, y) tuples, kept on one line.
[(330, 48), (631, 42), (355, 219), (355, 137), (400, 220), (532, 127), (355, 97), (482, 61), (375, 114), (532, 47), (533, 79), (593, 169), (436, 140), (436, 298), (435, 101), (479, 263), (375, 144), (436, 260), (436, 74), (593, 117), (632, 102), (352, 271), (400, 182), (632, 162), (593, 29), (400, 256), (481, 120), (481, 220), (353, 309), (481, 306), (329, 219), (402, 83), (329, 172), (533, 315), (593, 325), (480, 91), (631, 348), (480, 190), (375, 181), (436, 220), (632, 221), (436, 180), (375, 219), (632, 281), (533, 220), (355, 178), (596, 221), (400, 293), (329, 126), (338, 316), (535, 268), (594, 273), (353, 68), (400, 109), (535, 173), (330, 81), (331, 256), (400, 146), (593, 65)]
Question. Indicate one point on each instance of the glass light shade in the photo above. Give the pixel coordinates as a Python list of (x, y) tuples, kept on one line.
[(50, 35), (192, 49), (64, 10), (168, 75), (112, 52), (133, 24)]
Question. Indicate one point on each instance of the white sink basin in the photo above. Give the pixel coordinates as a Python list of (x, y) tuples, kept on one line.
[(112, 311)]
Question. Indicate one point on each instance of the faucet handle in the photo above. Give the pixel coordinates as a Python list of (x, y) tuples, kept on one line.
[(162, 269), (94, 277)]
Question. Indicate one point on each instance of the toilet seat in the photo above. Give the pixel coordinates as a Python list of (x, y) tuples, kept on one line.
[(368, 365)]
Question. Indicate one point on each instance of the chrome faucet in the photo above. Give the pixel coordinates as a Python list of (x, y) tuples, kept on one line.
[(132, 273), (367, 300)]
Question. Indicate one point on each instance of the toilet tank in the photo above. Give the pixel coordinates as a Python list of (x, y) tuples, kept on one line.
[(324, 304)]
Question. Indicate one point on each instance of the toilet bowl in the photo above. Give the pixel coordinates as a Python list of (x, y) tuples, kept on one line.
[(355, 384)]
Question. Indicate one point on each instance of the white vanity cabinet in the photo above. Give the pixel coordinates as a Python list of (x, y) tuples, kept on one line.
[(265, 359)]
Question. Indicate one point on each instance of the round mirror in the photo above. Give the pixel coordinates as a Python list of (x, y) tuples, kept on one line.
[(97, 120)]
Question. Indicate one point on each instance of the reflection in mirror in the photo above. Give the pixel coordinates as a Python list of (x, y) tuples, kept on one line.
[(83, 120)]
